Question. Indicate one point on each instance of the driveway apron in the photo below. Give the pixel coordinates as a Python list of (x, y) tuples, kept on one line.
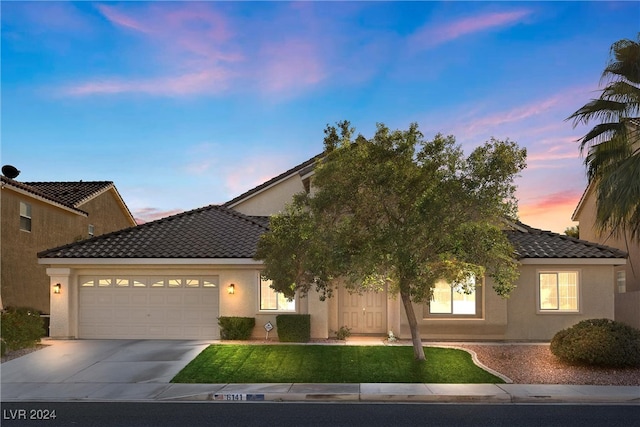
[(109, 369)]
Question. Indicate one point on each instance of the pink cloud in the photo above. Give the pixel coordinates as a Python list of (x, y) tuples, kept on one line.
[(291, 65), (208, 81), (119, 18), (430, 36), (550, 211), (203, 56), (144, 215), (253, 171)]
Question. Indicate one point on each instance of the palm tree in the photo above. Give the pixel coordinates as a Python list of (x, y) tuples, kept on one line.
[(613, 145)]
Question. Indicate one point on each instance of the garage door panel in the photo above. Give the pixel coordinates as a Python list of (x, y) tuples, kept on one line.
[(157, 298), (146, 312), (138, 298), (104, 299)]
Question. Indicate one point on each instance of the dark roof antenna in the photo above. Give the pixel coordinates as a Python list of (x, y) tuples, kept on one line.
[(10, 171)]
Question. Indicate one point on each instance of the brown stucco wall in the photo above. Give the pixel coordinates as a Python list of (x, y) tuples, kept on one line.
[(23, 282), (106, 213)]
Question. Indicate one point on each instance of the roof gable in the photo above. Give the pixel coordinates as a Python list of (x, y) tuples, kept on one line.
[(209, 232), (39, 194), (302, 169)]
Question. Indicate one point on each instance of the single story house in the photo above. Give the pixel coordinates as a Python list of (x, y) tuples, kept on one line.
[(172, 278)]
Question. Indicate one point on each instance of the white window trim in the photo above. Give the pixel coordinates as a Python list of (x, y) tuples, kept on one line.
[(276, 311), (621, 281), (578, 293), (28, 205)]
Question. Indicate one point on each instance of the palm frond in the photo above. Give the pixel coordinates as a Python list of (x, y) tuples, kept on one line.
[(601, 133), (625, 62), (601, 109)]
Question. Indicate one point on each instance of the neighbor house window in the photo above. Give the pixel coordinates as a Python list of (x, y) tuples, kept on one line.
[(91, 230), (271, 300), (558, 291), (455, 300), (621, 280), (25, 216)]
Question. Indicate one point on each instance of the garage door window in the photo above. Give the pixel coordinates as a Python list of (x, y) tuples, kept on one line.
[(152, 282)]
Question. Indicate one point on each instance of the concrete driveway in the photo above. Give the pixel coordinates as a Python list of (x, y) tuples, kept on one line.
[(97, 369)]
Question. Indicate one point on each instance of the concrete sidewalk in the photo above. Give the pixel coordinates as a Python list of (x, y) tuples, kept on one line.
[(122, 370)]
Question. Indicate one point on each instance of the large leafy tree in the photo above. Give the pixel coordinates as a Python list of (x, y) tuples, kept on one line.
[(613, 144), (397, 211)]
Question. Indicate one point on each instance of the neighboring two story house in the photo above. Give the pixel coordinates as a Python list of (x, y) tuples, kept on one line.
[(627, 277), (173, 277), (39, 215)]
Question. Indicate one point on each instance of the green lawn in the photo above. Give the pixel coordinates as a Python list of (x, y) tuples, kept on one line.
[(330, 364)]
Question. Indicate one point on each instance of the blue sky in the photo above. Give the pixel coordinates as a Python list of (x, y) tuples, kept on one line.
[(185, 104)]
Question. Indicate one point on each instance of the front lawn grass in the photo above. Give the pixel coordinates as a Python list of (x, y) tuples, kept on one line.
[(330, 364)]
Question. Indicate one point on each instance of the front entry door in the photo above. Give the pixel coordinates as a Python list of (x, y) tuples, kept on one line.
[(363, 314)]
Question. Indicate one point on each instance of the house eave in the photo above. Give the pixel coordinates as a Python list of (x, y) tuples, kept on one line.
[(573, 261), (150, 261)]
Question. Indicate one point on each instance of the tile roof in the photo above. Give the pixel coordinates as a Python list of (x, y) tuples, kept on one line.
[(302, 168), (209, 232), (219, 232), (38, 193), (70, 193), (531, 242)]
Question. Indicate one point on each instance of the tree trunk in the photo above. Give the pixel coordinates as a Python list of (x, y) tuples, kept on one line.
[(418, 351)]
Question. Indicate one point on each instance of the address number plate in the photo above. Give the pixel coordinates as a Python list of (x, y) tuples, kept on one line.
[(238, 397)]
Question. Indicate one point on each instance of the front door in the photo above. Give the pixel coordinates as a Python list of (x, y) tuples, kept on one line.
[(363, 314)]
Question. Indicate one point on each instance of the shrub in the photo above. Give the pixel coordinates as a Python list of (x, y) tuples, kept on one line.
[(294, 327), (3, 348), (21, 328), (236, 328), (343, 333), (598, 342)]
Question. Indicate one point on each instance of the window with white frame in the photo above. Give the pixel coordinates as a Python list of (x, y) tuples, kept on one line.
[(621, 280), (91, 230), (459, 299), (270, 300), (558, 291), (25, 216)]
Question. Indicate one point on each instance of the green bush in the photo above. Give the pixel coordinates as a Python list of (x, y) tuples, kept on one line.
[(236, 328), (3, 348), (21, 328), (598, 342), (343, 333), (294, 327)]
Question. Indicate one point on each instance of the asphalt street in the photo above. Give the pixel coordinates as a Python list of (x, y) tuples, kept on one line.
[(156, 414)]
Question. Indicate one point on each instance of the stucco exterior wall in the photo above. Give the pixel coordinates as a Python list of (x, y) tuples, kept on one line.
[(243, 302), (627, 304), (106, 213), (518, 318), (271, 200), (596, 300), (23, 282)]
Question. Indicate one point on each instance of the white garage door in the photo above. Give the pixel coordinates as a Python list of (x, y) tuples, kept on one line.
[(149, 307)]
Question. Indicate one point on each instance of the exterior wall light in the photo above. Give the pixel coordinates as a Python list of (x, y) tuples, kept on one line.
[(56, 288), (231, 289)]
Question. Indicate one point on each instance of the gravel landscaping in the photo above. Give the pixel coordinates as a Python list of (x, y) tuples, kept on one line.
[(535, 364)]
